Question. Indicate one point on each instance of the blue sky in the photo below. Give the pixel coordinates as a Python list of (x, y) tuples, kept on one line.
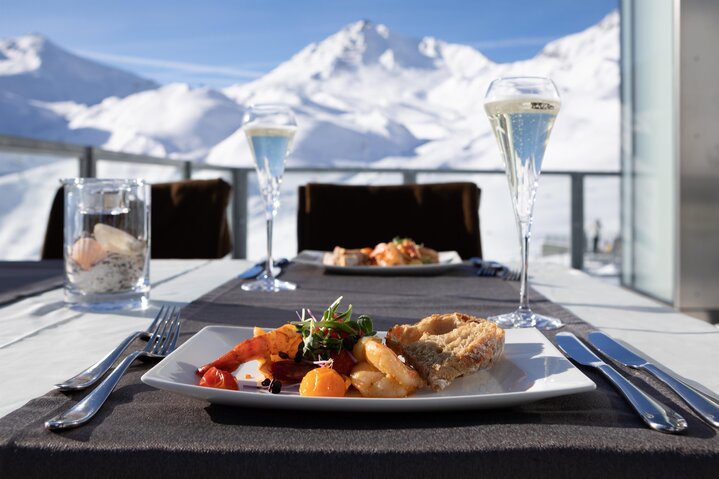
[(224, 42)]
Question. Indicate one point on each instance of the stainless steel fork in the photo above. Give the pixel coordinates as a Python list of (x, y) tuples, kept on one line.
[(161, 343), (90, 376)]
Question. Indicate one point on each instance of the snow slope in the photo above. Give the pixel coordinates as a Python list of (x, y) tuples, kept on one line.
[(173, 120)]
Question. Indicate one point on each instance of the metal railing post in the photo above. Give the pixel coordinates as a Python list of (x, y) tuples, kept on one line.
[(240, 191), (409, 177), (87, 164), (576, 206), (186, 170)]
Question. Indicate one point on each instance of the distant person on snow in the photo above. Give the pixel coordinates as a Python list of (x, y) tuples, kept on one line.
[(596, 236)]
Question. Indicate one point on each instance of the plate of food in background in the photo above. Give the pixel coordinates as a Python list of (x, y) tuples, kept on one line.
[(399, 256)]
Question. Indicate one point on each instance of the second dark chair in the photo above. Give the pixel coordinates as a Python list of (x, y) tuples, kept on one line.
[(443, 216)]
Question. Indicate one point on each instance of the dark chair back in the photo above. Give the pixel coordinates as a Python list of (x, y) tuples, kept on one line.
[(188, 220), (443, 216)]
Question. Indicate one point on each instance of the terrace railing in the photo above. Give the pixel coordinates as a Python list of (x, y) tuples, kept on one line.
[(88, 156)]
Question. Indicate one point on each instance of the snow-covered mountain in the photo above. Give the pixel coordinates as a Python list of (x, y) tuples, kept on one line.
[(367, 95), (35, 68), (42, 86), (363, 96)]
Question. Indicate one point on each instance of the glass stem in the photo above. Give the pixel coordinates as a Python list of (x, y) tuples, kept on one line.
[(270, 263), (524, 235)]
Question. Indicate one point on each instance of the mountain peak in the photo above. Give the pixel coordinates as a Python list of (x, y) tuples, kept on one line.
[(359, 45), (21, 54), (31, 47), (25, 42), (600, 39), (365, 41), (365, 24), (34, 67)]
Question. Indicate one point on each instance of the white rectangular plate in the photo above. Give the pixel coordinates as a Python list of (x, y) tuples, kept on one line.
[(530, 369), (447, 260)]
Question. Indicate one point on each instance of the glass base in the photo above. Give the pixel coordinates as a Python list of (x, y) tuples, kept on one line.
[(107, 302), (525, 318), (269, 284)]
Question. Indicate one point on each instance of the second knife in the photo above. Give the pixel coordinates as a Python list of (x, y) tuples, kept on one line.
[(705, 406), (654, 414)]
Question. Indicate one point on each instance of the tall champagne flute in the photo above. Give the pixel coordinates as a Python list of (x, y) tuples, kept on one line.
[(270, 130), (522, 111)]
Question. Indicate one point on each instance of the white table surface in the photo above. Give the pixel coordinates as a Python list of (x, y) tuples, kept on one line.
[(43, 343)]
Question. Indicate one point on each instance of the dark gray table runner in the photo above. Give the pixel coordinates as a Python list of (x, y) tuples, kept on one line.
[(142, 430), (22, 279)]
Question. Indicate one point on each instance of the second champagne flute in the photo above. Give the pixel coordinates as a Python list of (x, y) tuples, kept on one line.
[(522, 111), (270, 130)]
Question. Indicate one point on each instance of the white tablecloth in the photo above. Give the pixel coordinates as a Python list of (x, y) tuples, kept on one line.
[(43, 343)]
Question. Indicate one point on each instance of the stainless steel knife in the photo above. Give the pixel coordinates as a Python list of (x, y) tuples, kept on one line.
[(704, 405), (656, 415)]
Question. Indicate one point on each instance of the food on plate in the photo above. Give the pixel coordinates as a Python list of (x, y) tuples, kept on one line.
[(217, 378), (398, 252), (371, 382), (381, 373), (333, 333), (336, 355), (292, 353), (281, 340), (287, 371), (358, 351), (442, 347), (348, 257), (386, 361), (323, 382)]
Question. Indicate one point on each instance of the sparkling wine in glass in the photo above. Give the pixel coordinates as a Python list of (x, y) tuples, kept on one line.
[(522, 111), (270, 130)]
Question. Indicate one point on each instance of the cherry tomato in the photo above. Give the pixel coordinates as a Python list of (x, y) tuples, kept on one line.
[(323, 382), (217, 378)]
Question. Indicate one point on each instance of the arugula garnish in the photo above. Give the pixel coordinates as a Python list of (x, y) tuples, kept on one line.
[(334, 332)]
